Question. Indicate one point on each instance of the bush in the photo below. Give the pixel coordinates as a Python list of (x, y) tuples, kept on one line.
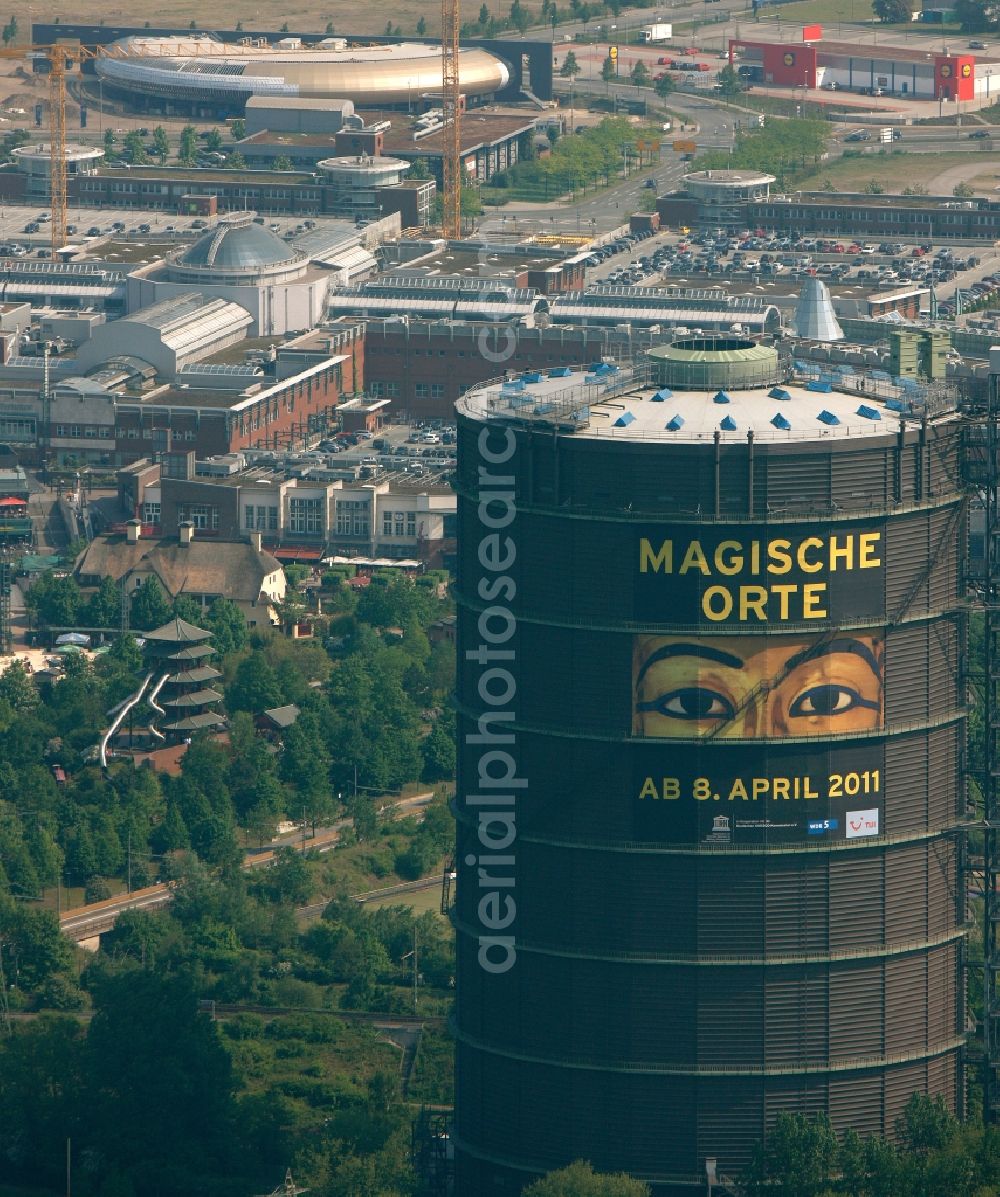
[(97, 890), (244, 1026)]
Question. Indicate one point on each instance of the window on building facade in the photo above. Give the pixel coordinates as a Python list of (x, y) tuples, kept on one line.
[(305, 516), (353, 517), (386, 523), (411, 523), (150, 513), (201, 515)]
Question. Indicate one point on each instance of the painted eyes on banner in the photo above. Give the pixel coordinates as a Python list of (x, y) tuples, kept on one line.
[(829, 700), (690, 703), (695, 703)]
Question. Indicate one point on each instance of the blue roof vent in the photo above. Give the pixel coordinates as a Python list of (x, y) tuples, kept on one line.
[(728, 424), (675, 424), (869, 413), (779, 421), (778, 393), (815, 384), (531, 377), (827, 417), (895, 405), (624, 420), (662, 394), (561, 372), (720, 397)]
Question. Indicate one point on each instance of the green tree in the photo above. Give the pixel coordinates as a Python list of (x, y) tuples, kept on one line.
[(438, 750), (150, 606), (640, 75), (283, 162), (104, 607), (305, 766), (329, 31), (213, 140), (55, 601), (236, 161), (570, 67), (892, 12), (17, 688), (874, 187), (159, 1082), (33, 947), (254, 687), (580, 1180), (228, 626), (421, 28), (729, 82), (520, 18), (10, 31), (135, 149), (238, 128), (188, 146), (608, 71), (962, 191), (109, 144), (664, 85), (797, 1160)]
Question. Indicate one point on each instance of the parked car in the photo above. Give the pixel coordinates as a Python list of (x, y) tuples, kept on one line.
[(980, 134)]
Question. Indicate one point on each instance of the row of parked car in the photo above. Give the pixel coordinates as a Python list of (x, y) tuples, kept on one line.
[(623, 245)]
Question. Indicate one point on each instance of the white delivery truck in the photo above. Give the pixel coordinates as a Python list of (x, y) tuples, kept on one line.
[(659, 32)]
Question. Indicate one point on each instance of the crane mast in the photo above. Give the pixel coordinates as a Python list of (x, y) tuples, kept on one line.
[(451, 158), (57, 143)]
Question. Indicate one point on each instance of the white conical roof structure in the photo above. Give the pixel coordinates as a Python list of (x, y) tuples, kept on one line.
[(815, 319)]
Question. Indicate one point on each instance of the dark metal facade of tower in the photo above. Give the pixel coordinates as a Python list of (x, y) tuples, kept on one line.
[(686, 903), (982, 463)]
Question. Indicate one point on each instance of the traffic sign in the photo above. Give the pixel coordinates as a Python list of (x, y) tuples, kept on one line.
[(613, 53), (685, 147)]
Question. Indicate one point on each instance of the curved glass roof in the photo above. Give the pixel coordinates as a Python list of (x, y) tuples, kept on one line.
[(241, 246)]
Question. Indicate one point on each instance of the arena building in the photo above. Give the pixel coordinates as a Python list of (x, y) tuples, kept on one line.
[(199, 69), (708, 696)]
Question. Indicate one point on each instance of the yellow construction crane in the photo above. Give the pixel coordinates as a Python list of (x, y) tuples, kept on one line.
[(451, 156), (61, 57)]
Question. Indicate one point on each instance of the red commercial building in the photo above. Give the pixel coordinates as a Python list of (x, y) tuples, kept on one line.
[(848, 66)]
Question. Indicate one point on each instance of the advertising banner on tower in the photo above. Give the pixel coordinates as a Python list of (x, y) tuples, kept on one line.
[(721, 576), (760, 715)]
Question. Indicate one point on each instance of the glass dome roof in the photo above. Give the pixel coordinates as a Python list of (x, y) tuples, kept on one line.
[(238, 244)]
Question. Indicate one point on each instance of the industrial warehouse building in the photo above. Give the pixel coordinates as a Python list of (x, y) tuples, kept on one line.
[(726, 730), (876, 69), (738, 200)]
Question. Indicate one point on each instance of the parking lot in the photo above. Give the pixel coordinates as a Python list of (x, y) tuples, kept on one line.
[(423, 453), (114, 222)]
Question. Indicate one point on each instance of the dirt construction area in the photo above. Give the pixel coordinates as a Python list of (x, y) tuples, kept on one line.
[(347, 16)]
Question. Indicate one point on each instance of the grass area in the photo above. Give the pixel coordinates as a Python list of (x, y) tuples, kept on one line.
[(418, 900), (827, 12), (893, 169), (316, 1061)]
